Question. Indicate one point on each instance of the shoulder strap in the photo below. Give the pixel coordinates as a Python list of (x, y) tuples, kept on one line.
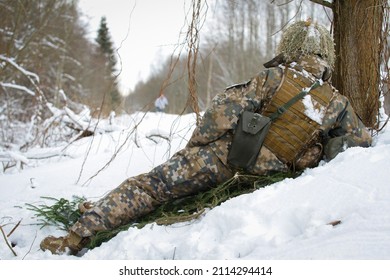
[(291, 102)]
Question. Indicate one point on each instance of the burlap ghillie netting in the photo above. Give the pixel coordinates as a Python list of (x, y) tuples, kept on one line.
[(306, 37)]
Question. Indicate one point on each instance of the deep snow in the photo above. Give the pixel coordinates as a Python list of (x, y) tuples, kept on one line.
[(286, 220)]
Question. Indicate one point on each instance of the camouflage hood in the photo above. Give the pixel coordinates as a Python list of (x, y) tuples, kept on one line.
[(313, 64), (307, 38)]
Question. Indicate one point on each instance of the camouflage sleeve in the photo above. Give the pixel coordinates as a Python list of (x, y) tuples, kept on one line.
[(347, 130), (226, 107)]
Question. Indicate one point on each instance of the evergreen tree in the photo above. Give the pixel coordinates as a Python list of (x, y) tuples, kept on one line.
[(107, 50)]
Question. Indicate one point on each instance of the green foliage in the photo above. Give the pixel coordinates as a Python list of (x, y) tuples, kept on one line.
[(62, 214), (105, 43), (106, 47)]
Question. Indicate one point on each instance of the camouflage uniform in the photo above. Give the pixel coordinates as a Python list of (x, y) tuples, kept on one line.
[(203, 163)]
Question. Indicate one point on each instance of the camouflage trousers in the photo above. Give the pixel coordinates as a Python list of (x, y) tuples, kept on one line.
[(189, 171)]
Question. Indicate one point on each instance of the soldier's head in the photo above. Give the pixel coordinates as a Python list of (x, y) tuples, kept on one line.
[(304, 38)]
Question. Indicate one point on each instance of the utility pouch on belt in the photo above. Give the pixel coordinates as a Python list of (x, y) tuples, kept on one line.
[(248, 139)]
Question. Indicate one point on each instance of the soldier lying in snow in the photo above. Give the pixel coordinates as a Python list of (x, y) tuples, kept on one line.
[(318, 124)]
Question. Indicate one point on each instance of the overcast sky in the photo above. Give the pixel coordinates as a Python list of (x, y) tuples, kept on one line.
[(142, 30)]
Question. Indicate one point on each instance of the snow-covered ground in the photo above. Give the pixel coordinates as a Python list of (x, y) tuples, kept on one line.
[(286, 220)]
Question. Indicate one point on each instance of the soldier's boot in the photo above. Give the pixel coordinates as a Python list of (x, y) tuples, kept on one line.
[(60, 245), (72, 242)]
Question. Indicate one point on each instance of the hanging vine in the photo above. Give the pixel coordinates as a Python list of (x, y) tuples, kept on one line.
[(193, 50)]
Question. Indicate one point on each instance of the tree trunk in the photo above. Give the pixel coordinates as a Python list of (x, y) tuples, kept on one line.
[(357, 33)]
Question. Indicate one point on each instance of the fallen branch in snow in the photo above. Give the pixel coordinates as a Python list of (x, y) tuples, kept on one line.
[(81, 123), (77, 120), (13, 229), (18, 159), (136, 142), (334, 223), (150, 137), (81, 133), (14, 158), (6, 241)]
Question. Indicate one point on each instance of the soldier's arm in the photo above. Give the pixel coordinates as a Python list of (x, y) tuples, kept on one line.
[(346, 131)]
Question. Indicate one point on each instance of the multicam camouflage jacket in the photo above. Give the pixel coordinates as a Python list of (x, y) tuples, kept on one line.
[(337, 125)]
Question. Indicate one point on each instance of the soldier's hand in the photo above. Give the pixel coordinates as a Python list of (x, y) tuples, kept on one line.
[(337, 132), (336, 145)]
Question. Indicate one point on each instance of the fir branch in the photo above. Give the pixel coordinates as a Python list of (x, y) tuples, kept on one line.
[(62, 214)]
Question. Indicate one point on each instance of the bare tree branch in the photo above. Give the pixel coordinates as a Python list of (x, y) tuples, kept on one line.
[(323, 3)]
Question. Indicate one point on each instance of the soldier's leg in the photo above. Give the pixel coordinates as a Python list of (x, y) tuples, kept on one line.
[(129, 200), (189, 171)]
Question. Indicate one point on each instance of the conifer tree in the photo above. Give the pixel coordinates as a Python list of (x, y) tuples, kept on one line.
[(107, 50)]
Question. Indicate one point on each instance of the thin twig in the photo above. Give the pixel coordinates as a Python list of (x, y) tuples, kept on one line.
[(6, 241), (383, 126), (174, 254), (29, 250), (116, 153), (12, 231), (300, 7)]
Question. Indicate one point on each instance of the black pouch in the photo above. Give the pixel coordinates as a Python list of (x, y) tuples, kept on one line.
[(248, 139)]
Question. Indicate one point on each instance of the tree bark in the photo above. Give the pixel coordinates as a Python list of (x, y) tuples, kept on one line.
[(357, 34)]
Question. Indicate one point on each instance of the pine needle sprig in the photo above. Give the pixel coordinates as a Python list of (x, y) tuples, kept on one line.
[(62, 214)]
